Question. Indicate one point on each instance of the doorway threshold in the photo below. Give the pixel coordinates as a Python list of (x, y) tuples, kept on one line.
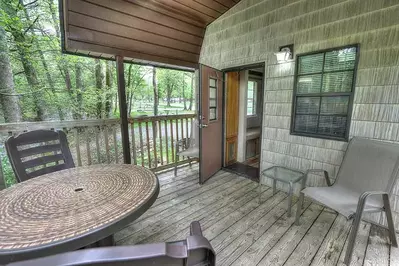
[(244, 170)]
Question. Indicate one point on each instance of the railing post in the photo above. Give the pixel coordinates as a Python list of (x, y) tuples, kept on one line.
[(123, 110), (2, 179)]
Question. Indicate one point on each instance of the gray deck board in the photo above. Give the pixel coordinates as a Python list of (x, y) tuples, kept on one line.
[(246, 232)]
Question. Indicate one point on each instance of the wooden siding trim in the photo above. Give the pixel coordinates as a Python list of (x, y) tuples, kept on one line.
[(227, 3), (211, 4), (111, 40), (109, 51), (164, 9), (96, 24), (137, 11), (64, 27), (205, 18), (199, 8)]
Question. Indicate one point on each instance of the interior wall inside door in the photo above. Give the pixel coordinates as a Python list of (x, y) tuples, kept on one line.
[(231, 123)]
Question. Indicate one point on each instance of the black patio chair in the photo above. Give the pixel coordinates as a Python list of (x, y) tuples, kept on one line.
[(38, 152), (195, 250)]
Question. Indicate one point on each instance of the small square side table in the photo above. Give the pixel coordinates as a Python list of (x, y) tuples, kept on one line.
[(282, 174)]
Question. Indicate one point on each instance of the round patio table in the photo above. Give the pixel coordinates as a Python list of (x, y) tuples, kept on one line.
[(72, 208)]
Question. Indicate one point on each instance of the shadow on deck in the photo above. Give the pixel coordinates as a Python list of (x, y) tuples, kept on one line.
[(245, 232)]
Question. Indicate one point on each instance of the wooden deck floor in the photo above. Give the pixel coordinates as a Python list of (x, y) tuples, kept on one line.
[(244, 232)]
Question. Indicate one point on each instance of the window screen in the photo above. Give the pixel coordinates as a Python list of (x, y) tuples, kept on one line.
[(212, 99), (323, 93)]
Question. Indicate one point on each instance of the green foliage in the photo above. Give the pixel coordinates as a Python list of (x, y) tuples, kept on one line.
[(65, 86), (8, 173)]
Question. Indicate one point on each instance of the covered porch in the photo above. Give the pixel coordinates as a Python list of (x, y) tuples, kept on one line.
[(245, 232), (244, 228)]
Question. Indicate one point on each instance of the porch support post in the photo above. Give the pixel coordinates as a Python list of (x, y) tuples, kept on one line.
[(123, 109)]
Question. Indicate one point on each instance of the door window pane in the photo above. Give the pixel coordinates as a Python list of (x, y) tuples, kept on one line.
[(212, 114), (213, 99)]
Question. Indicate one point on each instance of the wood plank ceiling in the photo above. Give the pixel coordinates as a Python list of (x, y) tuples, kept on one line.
[(159, 32)]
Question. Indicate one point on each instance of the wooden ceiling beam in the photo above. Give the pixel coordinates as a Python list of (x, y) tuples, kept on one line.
[(83, 48)]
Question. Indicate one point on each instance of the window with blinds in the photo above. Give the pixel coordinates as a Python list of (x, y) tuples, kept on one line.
[(323, 93)]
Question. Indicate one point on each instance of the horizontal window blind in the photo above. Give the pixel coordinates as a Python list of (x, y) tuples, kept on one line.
[(323, 93)]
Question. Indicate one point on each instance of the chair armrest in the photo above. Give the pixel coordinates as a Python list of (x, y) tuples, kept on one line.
[(366, 194), (326, 176), (363, 197)]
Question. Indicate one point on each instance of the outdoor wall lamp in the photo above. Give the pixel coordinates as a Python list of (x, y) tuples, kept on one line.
[(285, 53)]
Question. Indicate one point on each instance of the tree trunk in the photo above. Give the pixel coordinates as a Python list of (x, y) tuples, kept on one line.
[(78, 108), (8, 97), (24, 53), (116, 102), (190, 107), (183, 94), (108, 85), (155, 89), (31, 77), (63, 66), (54, 17), (99, 87), (129, 96), (169, 90), (49, 78), (130, 103)]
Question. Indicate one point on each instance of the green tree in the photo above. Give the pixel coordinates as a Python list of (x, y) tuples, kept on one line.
[(170, 82), (8, 97), (19, 29)]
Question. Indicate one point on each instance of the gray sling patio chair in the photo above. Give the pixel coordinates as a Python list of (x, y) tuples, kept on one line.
[(194, 251), (364, 180), (188, 147), (38, 152)]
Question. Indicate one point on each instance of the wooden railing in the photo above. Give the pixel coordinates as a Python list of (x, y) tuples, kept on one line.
[(152, 140)]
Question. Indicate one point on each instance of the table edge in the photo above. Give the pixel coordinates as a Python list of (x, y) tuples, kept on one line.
[(76, 242)]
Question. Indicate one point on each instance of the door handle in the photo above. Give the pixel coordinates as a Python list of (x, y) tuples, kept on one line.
[(203, 125)]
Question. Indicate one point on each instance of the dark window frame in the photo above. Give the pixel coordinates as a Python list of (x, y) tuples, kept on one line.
[(350, 94)]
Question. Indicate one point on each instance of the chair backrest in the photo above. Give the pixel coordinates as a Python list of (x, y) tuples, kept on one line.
[(38, 152), (369, 165), (194, 135), (194, 251)]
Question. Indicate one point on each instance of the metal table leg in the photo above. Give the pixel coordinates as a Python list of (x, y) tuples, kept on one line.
[(290, 192)]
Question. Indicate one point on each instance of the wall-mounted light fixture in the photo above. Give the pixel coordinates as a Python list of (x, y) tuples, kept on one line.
[(285, 53)]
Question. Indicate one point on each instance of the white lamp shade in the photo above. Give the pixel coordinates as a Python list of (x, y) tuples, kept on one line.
[(283, 56)]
